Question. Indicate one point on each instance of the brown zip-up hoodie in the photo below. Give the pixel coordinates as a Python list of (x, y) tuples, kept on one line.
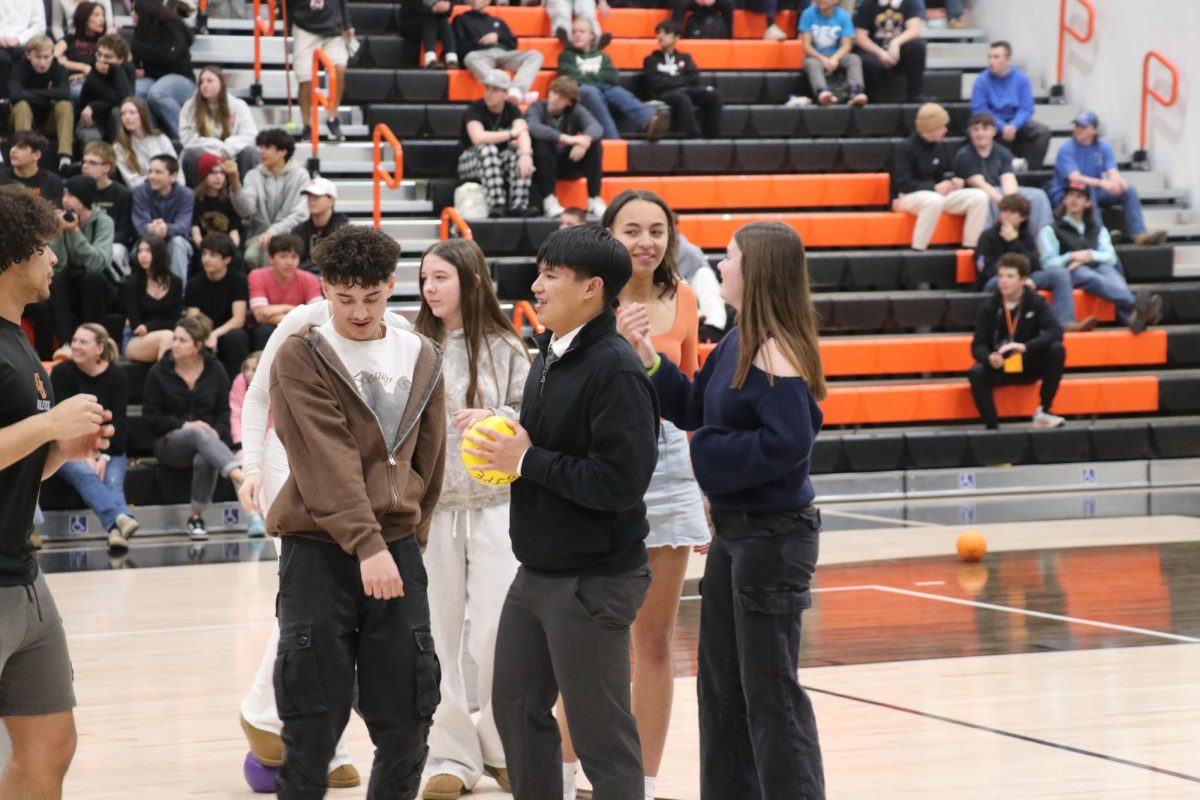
[(344, 485)]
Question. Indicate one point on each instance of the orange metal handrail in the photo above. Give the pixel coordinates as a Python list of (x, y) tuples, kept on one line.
[(261, 28), (379, 175), (321, 63), (1064, 29), (1148, 91), (450, 214), (523, 312)]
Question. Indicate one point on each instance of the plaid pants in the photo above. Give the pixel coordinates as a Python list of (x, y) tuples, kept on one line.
[(492, 166)]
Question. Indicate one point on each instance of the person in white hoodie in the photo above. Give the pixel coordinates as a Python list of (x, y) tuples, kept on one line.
[(272, 199), (138, 141), (468, 553), (213, 121)]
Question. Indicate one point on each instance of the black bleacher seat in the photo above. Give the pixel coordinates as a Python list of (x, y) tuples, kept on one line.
[(1179, 392), (135, 379), (779, 85), (826, 454), (923, 311), (1061, 445), (865, 155), (827, 269), (430, 158), (1123, 441), (445, 121), (736, 87), (1180, 303), (931, 269), (766, 155), (875, 271), (830, 122), (375, 17), (878, 120), (1183, 348), (698, 156), (812, 156), (735, 120), (1005, 446), (874, 452), (862, 312), (658, 158), (935, 449), (774, 121), (387, 51), (371, 85), (1147, 264), (421, 85), (501, 237), (538, 230), (514, 279), (1175, 438), (961, 310)]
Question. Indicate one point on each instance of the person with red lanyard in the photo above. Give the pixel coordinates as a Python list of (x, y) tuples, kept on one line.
[(1017, 340)]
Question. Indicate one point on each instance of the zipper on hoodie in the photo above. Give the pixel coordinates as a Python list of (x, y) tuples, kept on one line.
[(546, 367)]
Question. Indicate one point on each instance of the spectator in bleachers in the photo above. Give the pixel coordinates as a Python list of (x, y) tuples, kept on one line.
[(92, 369), (83, 285), (693, 266), (161, 50), (888, 37), (277, 289), (486, 43), (323, 24), (163, 208), (108, 83), (566, 144), (138, 141), (599, 90), (221, 294), (672, 77), (1078, 243), (40, 91), (1089, 160), (495, 148), (954, 10), (1017, 340), (153, 302), (1013, 234), (24, 153), (186, 406), (704, 19), (64, 18), (924, 183), (560, 14), (323, 219), (827, 32), (271, 200), (572, 216), (986, 164), (429, 22), (214, 121), (116, 200), (20, 21), (76, 51), (213, 211), (256, 526), (1006, 93)]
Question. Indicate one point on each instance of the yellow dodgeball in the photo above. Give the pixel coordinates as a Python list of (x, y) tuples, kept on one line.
[(491, 477)]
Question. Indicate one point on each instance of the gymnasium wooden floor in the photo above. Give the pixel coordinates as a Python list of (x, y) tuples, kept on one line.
[(1066, 665)]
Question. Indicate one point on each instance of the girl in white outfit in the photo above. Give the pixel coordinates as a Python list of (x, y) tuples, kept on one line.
[(468, 557), (265, 466)]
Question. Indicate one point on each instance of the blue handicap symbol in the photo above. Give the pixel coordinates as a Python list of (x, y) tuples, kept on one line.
[(232, 515), (79, 523), (966, 480), (1088, 475)]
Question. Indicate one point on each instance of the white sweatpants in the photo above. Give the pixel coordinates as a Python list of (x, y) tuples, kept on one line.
[(559, 12), (927, 206), (258, 706), (471, 565)]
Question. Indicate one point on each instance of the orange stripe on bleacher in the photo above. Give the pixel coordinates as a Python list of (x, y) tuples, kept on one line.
[(895, 403), (838, 229), (629, 23), (742, 191), (710, 54)]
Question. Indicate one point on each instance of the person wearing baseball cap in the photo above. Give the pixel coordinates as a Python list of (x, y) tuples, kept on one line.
[(924, 184), (495, 148), (1087, 159), (1079, 244), (323, 220)]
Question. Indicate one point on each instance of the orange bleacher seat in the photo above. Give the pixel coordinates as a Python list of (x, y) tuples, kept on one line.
[(629, 23), (710, 54), (742, 191), (837, 229)]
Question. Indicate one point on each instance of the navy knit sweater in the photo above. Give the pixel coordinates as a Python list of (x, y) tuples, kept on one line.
[(752, 445)]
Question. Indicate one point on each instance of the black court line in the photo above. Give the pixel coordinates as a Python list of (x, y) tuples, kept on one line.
[(1009, 734)]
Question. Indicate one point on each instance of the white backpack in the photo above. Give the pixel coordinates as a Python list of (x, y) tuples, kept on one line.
[(470, 200)]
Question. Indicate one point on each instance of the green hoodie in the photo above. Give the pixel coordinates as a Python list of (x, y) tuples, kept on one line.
[(89, 248), (594, 66)]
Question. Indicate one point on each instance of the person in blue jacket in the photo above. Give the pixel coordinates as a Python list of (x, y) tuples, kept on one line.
[(1006, 93), (753, 404)]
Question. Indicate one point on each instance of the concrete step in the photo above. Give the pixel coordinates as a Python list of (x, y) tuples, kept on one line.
[(1187, 261), (226, 49), (276, 116), (358, 190)]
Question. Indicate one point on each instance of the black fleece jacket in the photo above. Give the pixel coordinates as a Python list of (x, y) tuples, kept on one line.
[(992, 245), (660, 76), (167, 402), (1036, 328), (593, 419), (919, 164), (471, 26)]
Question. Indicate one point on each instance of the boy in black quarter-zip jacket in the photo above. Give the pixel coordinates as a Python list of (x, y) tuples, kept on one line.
[(360, 410), (584, 450)]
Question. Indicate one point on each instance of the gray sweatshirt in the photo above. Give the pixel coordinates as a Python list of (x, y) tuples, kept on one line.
[(501, 385), (575, 120), (273, 202)]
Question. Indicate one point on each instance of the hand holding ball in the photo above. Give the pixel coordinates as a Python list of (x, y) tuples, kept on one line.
[(491, 477)]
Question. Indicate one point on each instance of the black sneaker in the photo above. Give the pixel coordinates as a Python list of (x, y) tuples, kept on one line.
[(335, 130), (305, 134), (604, 41), (196, 529), (563, 37)]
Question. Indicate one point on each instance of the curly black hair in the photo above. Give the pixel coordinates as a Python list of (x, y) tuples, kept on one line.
[(29, 221), (356, 255)]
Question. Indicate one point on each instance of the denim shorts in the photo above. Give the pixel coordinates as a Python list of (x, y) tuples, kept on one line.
[(674, 505)]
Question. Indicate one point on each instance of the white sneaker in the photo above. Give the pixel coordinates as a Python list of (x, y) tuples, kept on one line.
[(1044, 419), (798, 101), (515, 95), (596, 207), (551, 207), (1020, 165), (531, 98), (775, 33)]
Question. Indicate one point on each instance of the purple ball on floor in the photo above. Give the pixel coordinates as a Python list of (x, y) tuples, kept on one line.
[(260, 778)]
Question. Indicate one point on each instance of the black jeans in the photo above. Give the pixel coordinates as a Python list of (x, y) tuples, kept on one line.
[(76, 297), (430, 28), (1047, 367), (327, 629), (550, 163), (684, 104), (758, 734), (571, 635), (912, 62)]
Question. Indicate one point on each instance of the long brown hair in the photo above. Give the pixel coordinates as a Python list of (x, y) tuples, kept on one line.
[(126, 141), (665, 274), (206, 125), (777, 303), (480, 309)]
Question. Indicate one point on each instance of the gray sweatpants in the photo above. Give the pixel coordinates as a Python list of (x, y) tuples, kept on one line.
[(205, 453), (525, 63), (570, 635), (851, 65)]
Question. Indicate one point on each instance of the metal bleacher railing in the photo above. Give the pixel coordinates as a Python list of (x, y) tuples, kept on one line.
[(1140, 158), (379, 176), (1057, 93)]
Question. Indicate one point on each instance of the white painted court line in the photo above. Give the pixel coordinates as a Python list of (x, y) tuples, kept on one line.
[(914, 523), (863, 588), (160, 631), (1042, 614)]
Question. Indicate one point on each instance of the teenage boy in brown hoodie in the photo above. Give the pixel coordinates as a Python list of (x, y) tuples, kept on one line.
[(359, 408)]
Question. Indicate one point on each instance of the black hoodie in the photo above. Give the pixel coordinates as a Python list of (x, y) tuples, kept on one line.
[(992, 245), (1036, 327), (593, 418), (919, 164), (471, 26), (167, 402)]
